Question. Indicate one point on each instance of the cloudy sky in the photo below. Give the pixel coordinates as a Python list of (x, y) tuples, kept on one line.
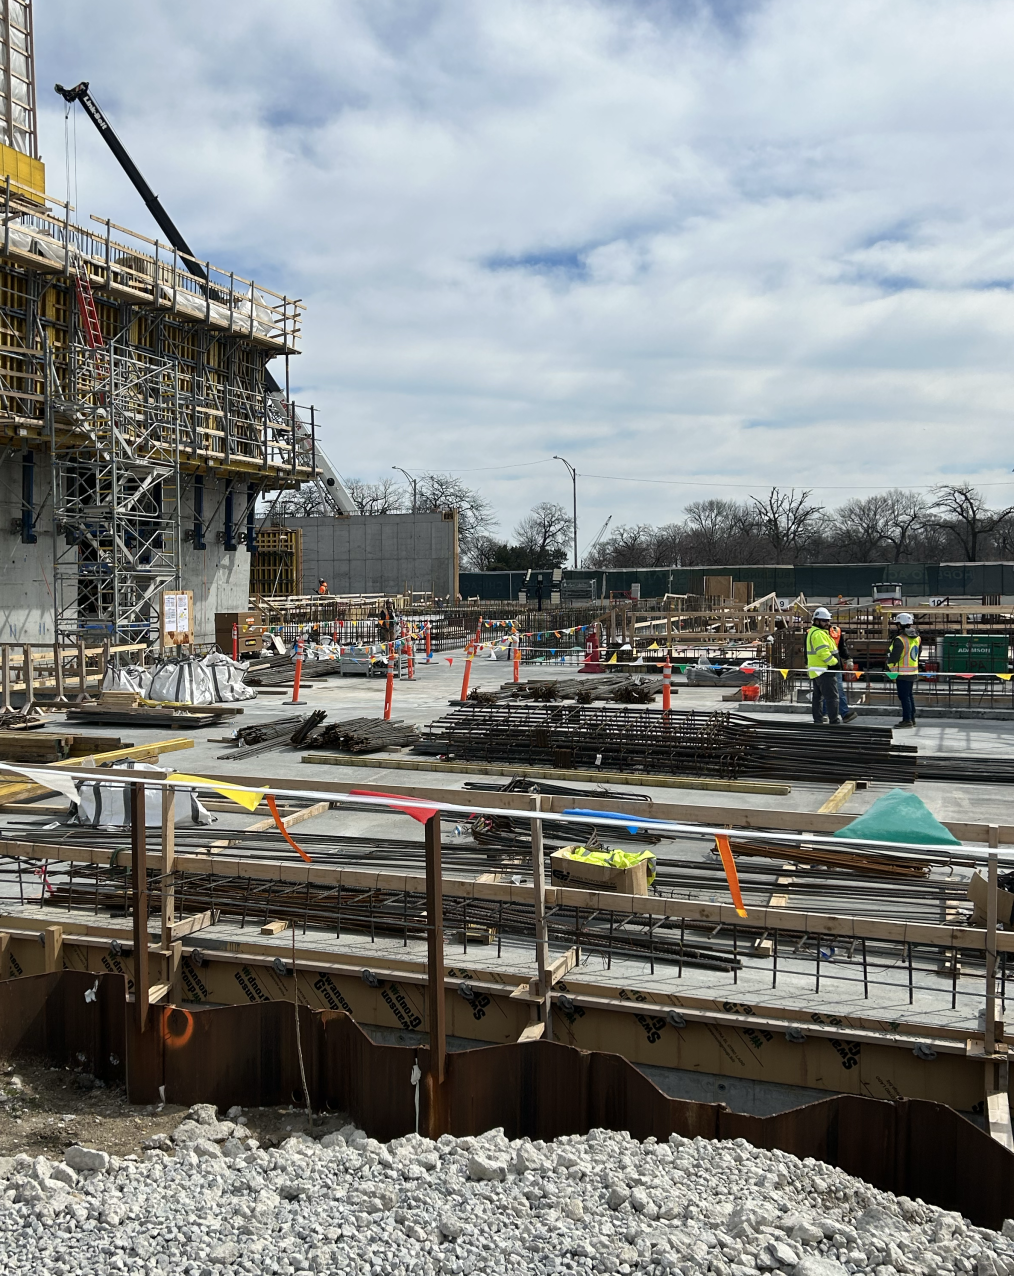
[(696, 248)]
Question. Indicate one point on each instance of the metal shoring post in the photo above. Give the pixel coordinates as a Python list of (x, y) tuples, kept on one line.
[(139, 903), (735, 955), (7, 216), (774, 961), (435, 998), (264, 459), (5, 675), (541, 933), (28, 676), (866, 973), (167, 891), (991, 911), (911, 989), (683, 933), (817, 988)]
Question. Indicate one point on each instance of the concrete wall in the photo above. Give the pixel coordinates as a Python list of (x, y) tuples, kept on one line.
[(380, 554), (26, 571), (220, 578)]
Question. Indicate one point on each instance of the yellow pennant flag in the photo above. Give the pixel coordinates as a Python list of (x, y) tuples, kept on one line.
[(784, 672), (248, 798), (612, 659), (1005, 676)]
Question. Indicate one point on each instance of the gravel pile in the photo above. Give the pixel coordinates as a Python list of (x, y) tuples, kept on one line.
[(210, 1202)]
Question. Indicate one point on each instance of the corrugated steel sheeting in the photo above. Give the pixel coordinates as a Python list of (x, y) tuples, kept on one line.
[(249, 1055)]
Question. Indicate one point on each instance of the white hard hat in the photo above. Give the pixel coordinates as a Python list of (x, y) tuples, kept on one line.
[(905, 618), (822, 613)]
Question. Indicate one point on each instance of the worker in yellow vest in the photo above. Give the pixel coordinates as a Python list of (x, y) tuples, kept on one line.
[(903, 660), (821, 662)]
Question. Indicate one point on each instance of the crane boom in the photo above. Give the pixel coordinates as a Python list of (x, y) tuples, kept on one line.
[(328, 480), (79, 93), (602, 532)]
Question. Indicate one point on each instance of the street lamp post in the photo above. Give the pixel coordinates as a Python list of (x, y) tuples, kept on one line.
[(572, 471), (410, 479)]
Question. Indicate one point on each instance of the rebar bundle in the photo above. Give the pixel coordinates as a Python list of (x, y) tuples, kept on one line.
[(364, 735), (265, 736), (278, 671), (677, 742)]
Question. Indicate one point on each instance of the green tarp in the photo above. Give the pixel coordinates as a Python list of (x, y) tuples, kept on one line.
[(899, 817)]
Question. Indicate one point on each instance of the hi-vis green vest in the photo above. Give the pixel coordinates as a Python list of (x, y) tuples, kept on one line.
[(908, 665), (821, 651)]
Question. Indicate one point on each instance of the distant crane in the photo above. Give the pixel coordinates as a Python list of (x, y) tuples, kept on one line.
[(602, 532)]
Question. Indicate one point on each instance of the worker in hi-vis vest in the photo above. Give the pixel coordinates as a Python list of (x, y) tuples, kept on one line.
[(848, 714), (903, 659), (821, 662)]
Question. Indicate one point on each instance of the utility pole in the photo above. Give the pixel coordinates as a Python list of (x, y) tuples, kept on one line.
[(572, 471), (411, 480)]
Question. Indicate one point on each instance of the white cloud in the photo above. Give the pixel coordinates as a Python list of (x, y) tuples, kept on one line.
[(728, 244)]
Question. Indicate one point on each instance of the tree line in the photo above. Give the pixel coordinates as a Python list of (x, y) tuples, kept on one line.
[(951, 521)]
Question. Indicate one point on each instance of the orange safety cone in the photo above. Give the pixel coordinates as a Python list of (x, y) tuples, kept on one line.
[(517, 663), (235, 642), (298, 675), (411, 660), (666, 686), (429, 642), (468, 673)]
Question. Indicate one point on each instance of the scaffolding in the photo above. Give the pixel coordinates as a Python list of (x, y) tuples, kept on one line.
[(136, 380)]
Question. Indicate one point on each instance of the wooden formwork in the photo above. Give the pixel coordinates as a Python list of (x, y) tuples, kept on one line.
[(276, 566)]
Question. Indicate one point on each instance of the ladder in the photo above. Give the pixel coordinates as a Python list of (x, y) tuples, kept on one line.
[(91, 327)]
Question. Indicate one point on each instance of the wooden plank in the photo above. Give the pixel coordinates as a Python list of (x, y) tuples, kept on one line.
[(274, 928), (190, 925), (297, 817), (548, 773), (533, 1032), (838, 798), (23, 790)]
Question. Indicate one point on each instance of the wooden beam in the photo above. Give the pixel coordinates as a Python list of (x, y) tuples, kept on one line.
[(139, 903), (52, 938), (191, 925), (773, 788), (297, 817), (838, 798), (274, 928), (23, 790)]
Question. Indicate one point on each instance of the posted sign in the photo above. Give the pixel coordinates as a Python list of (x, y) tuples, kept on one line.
[(177, 627)]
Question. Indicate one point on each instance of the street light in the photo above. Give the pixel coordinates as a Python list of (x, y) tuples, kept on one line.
[(410, 479), (572, 471)]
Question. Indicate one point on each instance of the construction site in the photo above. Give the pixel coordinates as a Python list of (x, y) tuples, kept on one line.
[(476, 873)]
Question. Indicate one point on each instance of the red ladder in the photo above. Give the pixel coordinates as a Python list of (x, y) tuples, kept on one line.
[(86, 307)]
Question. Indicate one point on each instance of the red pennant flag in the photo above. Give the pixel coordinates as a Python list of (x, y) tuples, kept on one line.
[(449, 659), (420, 813)]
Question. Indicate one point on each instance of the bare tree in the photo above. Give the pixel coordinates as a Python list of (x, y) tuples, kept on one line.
[(385, 497), (908, 521), (859, 530), (963, 513), (787, 521), (625, 547), (475, 514), (720, 531), (543, 535), (305, 501)]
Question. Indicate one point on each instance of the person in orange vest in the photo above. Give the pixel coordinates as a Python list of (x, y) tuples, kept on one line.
[(322, 586), (845, 710)]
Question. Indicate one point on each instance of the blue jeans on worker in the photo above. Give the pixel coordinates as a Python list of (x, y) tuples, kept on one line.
[(824, 689), (843, 703), (906, 694)]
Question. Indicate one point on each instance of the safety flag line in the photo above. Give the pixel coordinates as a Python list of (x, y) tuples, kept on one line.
[(283, 830), (729, 864)]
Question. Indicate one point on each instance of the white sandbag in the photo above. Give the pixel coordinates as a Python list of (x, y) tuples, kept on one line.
[(127, 678), (226, 677), (181, 682), (106, 804)]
